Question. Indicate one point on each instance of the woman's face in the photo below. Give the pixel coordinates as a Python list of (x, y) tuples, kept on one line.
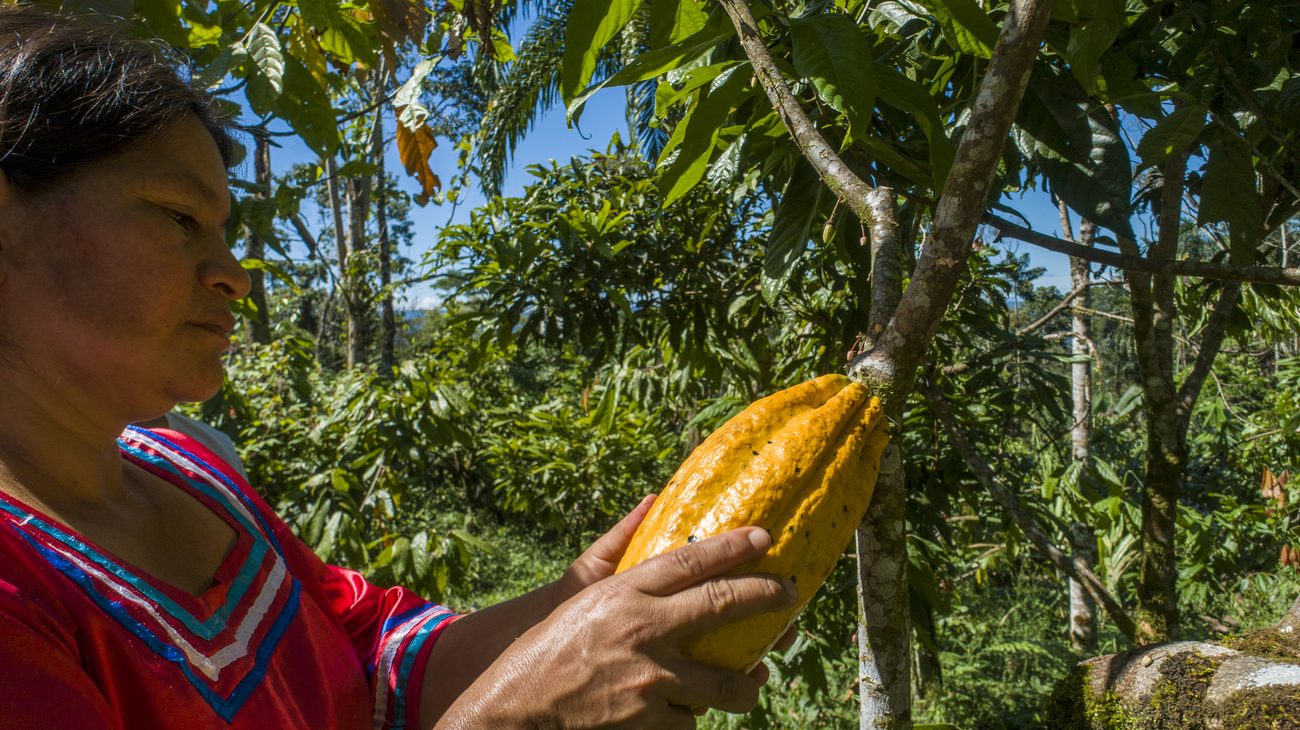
[(115, 283)]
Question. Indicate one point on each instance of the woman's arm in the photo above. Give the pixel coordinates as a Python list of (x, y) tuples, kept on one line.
[(610, 657), (468, 647)]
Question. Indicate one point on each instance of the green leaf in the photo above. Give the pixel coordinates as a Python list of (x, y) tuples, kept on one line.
[(475, 541), (1079, 149), (1173, 134), (163, 18), (672, 21), (1090, 39), (350, 39), (273, 270), (898, 91), (883, 151), (1131, 399), (231, 57), (965, 25), (409, 93), (306, 107), (602, 419), (830, 51), (1228, 194), (267, 83), (1288, 102), (699, 133), (791, 226), (655, 63), (592, 24), (319, 14)]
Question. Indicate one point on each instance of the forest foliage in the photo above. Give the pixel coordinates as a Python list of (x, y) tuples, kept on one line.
[(595, 327)]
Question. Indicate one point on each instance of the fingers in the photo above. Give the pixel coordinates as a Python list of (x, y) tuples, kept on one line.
[(714, 603), (611, 546), (760, 674), (701, 685), (688, 565)]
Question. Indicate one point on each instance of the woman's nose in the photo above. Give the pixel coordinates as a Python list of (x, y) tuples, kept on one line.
[(221, 271)]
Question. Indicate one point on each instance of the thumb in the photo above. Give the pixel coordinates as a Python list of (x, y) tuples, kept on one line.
[(611, 546)]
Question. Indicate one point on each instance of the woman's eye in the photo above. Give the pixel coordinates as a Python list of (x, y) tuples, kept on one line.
[(181, 219)]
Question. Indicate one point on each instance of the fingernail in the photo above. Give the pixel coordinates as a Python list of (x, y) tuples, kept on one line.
[(791, 589), (760, 539)]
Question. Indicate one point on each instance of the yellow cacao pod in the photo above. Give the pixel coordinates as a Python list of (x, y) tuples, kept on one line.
[(801, 464)]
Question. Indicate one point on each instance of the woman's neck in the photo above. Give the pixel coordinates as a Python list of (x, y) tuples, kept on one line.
[(56, 452)]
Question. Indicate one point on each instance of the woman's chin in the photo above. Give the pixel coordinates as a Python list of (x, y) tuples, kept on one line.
[(199, 384)]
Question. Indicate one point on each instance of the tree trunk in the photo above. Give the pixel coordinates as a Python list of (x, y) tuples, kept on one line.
[(347, 278), (884, 615), (255, 248), (388, 321), (358, 199), (1083, 539), (1154, 317)]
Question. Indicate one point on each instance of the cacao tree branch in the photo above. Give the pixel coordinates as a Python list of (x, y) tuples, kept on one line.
[(1198, 269), (1075, 569), (901, 348), (1211, 343), (867, 202), (1055, 310)]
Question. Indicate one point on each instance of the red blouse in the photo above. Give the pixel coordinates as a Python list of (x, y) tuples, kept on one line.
[(281, 641)]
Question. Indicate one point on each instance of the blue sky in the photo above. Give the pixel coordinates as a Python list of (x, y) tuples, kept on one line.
[(553, 140)]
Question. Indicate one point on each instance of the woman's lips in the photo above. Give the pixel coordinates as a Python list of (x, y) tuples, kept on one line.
[(221, 327)]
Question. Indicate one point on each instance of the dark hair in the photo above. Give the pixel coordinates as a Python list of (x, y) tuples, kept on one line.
[(77, 90)]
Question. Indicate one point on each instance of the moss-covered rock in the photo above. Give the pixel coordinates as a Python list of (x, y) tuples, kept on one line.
[(1263, 708), (1178, 697), (1268, 643), (1073, 706)]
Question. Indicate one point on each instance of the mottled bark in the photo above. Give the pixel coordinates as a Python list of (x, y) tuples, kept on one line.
[(1083, 539), (388, 321), (1130, 260), (885, 619), (255, 248), (1154, 317), (357, 299), (1010, 503), (341, 239), (902, 347)]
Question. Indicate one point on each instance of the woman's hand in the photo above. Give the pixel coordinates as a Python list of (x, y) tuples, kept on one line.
[(610, 656), (602, 558)]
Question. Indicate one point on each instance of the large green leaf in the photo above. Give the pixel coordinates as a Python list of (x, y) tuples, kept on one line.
[(267, 81), (592, 24), (1092, 37), (788, 240), (656, 63), (699, 132), (830, 51), (898, 91), (672, 21), (1228, 194), (1173, 134), (317, 13), (965, 25), (306, 107), (1079, 149)]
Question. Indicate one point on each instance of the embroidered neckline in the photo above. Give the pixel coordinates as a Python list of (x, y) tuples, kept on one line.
[(224, 656)]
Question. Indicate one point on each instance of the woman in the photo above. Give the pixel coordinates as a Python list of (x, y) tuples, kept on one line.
[(142, 583)]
